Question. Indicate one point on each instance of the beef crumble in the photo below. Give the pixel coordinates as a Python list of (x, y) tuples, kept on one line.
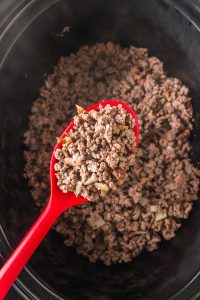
[(161, 185), (96, 154)]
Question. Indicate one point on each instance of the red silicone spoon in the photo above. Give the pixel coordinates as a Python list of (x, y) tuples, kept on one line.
[(57, 204)]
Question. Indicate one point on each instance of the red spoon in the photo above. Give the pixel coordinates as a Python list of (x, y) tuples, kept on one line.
[(57, 204)]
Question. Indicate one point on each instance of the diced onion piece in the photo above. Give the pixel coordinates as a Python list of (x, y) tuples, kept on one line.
[(160, 216)]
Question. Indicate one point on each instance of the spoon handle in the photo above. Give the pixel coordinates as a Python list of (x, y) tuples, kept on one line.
[(25, 249)]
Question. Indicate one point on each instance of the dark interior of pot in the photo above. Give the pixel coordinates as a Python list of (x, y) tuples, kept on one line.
[(168, 35)]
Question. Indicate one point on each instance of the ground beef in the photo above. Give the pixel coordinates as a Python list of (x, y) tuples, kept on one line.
[(96, 154), (161, 185)]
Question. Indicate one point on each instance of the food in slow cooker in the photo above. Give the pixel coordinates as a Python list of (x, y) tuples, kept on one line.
[(97, 153), (161, 186)]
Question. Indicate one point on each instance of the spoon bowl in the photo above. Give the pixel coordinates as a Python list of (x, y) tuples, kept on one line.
[(56, 193)]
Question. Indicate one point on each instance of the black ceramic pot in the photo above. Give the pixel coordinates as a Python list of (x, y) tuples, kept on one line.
[(29, 47)]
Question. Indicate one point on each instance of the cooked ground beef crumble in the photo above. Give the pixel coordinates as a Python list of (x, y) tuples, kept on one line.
[(161, 185), (97, 153)]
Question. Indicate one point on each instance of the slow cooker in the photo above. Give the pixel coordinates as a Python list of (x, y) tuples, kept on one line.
[(30, 46)]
